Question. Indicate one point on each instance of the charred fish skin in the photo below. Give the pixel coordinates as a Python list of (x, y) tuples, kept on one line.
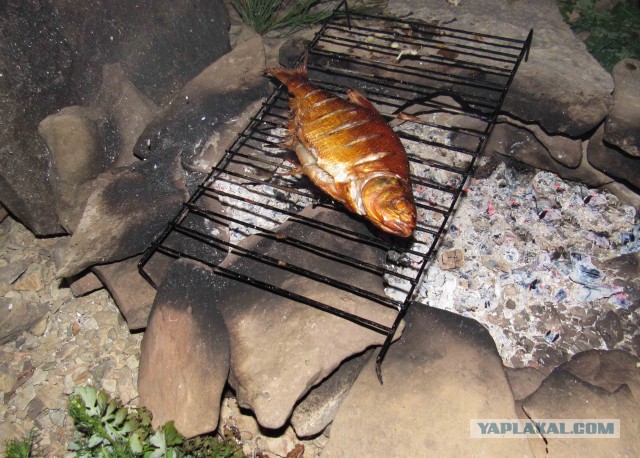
[(347, 149)]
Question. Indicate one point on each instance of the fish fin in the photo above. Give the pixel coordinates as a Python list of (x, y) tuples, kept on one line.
[(286, 75), (290, 138), (360, 100)]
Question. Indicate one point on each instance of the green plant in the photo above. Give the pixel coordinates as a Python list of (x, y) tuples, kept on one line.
[(288, 15), (610, 34), (19, 448), (105, 428)]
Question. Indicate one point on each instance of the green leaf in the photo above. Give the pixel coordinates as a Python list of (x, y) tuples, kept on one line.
[(96, 440), (171, 434), (103, 399), (135, 444), (87, 394), (121, 416)]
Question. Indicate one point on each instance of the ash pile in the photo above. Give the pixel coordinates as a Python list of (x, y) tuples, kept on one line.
[(543, 263)]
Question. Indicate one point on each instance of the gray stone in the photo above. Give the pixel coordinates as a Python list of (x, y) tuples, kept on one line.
[(622, 126), (13, 270), (83, 141), (561, 87), (206, 115), (124, 214), (185, 352), (625, 195), (613, 161), (522, 145), (442, 373), (55, 63), (75, 139), (567, 151), (563, 395), (17, 315), (304, 344), (132, 293), (319, 407)]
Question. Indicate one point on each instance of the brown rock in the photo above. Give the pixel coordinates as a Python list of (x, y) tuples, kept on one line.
[(622, 126), (607, 370), (132, 293), (30, 281), (562, 395), (609, 328), (75, 140), (319, 407), (524, 381), (84, 283), (304, 344), (613, 161), (18, 315), (567, 151), (522, 145), (185, 352), (206, 115), (452, 259), (444, 371), (125, 213), (3, 213), (561, 86)]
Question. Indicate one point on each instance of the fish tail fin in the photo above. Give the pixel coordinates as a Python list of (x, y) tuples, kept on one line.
[(290, 75)]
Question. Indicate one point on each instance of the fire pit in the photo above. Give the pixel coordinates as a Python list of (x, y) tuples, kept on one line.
[(451, 81)]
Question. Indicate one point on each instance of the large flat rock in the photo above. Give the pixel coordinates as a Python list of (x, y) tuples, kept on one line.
[(442, 373), (125, 212), (280, 348), (613, 161), (206, 115), (561, 87), (622, 127), (185, 352), (563, 395)]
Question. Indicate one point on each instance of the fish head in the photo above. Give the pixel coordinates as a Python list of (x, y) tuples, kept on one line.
[(389, 205)]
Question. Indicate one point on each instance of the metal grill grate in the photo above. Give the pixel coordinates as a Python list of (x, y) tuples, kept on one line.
[(453, 81)]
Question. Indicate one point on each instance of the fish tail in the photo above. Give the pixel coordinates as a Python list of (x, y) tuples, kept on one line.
[(290, 76)]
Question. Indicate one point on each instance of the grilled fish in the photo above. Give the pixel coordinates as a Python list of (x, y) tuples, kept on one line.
[(347, 149)]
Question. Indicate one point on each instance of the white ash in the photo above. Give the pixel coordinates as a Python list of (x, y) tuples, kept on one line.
[(265, 196), (527, 244)]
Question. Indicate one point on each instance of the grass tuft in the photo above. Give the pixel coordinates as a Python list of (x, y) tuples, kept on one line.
[(19, 448), (288, 16)]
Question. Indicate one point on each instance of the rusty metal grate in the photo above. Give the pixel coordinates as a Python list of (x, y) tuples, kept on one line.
[(453, 80)]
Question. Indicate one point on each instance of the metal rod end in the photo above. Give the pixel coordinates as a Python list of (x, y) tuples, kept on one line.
[(379, 371)]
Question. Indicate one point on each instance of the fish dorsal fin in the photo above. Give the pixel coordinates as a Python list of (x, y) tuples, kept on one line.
[(287, 75), (360, 100)]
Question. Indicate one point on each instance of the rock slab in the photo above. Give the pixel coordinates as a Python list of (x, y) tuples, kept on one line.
[(280, 348), (561, 87), (185, 352), (205, 116), (129, 207), (622, 126), (563, 395), (442, 373)]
